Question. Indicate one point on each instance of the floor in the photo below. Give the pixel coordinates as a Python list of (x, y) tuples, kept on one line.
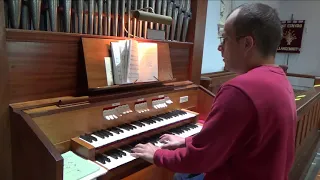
[(314, 169)]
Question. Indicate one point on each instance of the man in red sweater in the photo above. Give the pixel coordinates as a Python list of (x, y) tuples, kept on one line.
[(250, 131)]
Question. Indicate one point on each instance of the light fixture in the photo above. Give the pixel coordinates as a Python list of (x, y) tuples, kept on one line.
[(151, 16)]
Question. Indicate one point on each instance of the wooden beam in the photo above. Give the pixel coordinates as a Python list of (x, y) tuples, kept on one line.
[(5, 143), (196, 35)]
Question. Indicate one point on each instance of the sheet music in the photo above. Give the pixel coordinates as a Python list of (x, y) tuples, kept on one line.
[(116, 62), (134, 61), (124, 52), (148, 62), (75, 167), (133, 66), (109, 72)]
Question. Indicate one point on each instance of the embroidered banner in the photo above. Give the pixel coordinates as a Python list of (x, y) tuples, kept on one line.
[(292, 36)]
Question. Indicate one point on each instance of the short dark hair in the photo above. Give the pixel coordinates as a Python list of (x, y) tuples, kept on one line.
[(262, 23)]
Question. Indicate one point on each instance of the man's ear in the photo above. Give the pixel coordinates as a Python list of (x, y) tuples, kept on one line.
[(249, 43)]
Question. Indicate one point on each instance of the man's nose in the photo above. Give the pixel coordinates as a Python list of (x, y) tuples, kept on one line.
[(220, 47)]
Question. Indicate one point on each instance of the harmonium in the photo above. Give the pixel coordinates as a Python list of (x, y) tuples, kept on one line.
[(82, 97), (91, 136)]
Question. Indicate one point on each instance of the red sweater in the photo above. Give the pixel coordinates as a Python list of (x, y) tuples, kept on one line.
[(249, 134)]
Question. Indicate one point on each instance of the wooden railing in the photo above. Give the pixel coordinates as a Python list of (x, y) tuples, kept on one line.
[(213, 81), (315, 79), (307, 132)]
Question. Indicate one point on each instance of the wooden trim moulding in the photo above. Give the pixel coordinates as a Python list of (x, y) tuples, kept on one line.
[(196, 35), (5, 139), (48, 36)]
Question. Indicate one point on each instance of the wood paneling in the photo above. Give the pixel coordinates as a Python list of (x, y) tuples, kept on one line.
[(65, 123), (42, 70), (307, 135), (205, 101), (49, 64), (31, 148), (152, 172), (5, 144), (196, 35)]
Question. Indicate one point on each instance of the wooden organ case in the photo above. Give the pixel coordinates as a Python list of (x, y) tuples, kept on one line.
[(58, 98)]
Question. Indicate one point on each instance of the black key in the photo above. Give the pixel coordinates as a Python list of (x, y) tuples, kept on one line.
[(129, 127), (133, 127), (115, 130), (157, 119), (133, 144), (112, 154), (99, 134), (120, 130), (193, 126), (137, 123), (153, 121), (122, 153), (107, 132), (146, 122), (100, 159), (124, 127), (106, 159), (93, 138), (87, 138)]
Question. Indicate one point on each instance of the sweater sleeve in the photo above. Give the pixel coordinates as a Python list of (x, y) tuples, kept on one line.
[(227, 129)]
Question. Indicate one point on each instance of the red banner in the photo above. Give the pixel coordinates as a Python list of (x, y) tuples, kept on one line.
[(292, 36)]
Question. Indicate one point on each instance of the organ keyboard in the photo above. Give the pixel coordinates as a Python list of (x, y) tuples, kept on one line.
[(104, 128), (107, 136), (119, 156)]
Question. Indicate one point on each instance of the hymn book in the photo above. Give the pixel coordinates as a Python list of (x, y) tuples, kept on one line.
[(134, 61)]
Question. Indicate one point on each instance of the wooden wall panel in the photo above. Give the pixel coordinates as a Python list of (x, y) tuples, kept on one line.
[(47, 65), (205, 102), (152, 172), (31, 147), (5, 144), (196, 35), (180, 67), (41, 70)]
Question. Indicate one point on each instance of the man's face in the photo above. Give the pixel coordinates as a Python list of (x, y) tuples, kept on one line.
[(232, 47)]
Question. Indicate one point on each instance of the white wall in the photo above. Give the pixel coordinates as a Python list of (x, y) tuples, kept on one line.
[(273, 3), (212, 60), (307, 62)]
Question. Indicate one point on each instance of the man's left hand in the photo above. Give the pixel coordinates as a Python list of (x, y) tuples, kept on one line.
[(145, 151)]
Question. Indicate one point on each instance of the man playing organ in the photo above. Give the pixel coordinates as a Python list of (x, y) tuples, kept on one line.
[(250, 132)]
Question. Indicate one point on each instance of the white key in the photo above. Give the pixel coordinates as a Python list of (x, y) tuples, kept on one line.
[(138, 130), (117, 162)]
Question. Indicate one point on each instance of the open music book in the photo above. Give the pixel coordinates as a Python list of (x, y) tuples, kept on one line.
[(134, 61)]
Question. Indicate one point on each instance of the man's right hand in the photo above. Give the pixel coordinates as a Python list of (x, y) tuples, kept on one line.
[(171, 141)]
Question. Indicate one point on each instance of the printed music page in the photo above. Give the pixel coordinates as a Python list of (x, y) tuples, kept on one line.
[(109, 73), (148, 62), (116, 62), (133, 66), (124, 51)]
